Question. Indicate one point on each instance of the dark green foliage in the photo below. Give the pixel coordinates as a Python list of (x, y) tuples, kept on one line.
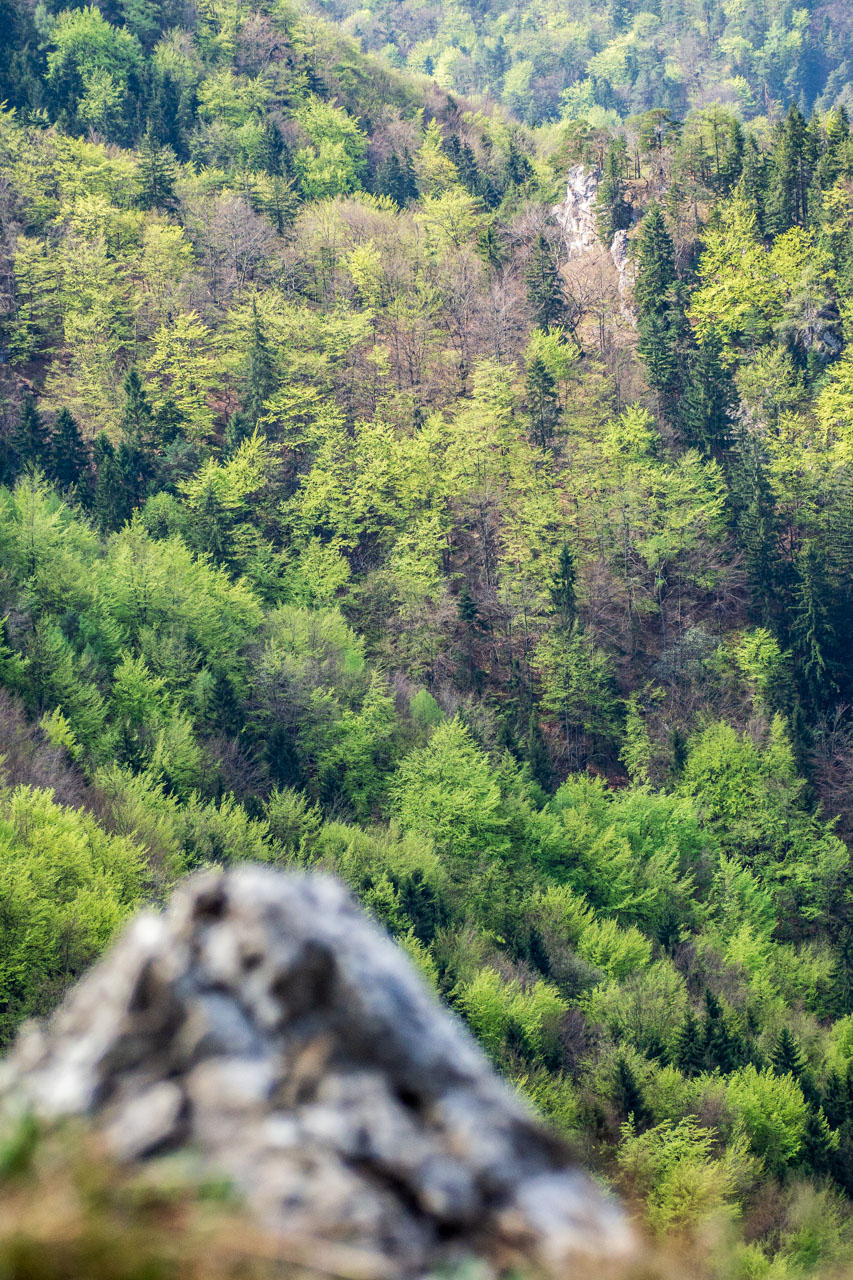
[(261, 380), (156, 172), (660, 317), (396, 178), (613, 213), (543, 401), (546, 293), (113, 499), (688, 1051), (811, 627), (30, 439), (69, 455), (562, 589), (787, 1056), (627, 1094), (709, 401)]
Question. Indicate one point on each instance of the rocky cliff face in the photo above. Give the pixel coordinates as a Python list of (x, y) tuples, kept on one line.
[(576, 216), (264, 1021)]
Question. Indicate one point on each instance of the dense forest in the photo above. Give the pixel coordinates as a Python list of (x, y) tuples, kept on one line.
[(350, 520), (604, 60)]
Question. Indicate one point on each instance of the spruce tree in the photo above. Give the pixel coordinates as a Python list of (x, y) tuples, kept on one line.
[(543, 402), (722, 1049), (709, 401), (628, 1095), (835, 1101), (660, 315), (655, 259), (112, 503), (273, 155), (792, 163), (688, 1053), (812, 634), (518, 168), (612, 211), (545, 289), (135, 457), (756, 522), (562, 589), (786, 1056), (817, 1152), (30, 439), (537, 756), (156, 173), (261, 378), (396, 178), (136, 415), (69, 454)]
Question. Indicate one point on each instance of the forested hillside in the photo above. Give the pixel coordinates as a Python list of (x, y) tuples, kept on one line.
[(606, 59), (352, 519)]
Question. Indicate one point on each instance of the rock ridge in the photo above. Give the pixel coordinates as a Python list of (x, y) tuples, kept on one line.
[(264, 1022)]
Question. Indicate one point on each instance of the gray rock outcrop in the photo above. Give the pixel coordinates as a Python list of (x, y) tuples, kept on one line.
[(576, 217), (576, 214), (264, 1022), (625, 272)]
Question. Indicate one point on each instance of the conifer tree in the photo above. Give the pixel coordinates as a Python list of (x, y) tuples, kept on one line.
[(612, 211), (786, 1056), (30, 438), (835, 1101), (688, 1053), (787, 201), (136, 416), (537, 756), (112, 503), (757, 524), (628, 1095), (753, 179), (545, 289), (562, 589), (812, 633), (156, 173), (261, 379), (543, 401), (69, 455), (660, 315), (655, 258), (273, 153), (135, 458), (817, 1152), (709, 401)]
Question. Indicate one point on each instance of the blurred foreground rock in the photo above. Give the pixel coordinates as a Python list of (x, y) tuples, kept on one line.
[(266, 1023)]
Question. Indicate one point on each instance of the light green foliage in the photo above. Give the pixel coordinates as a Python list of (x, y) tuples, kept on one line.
[(641, 1009), (506, 1017), (684, 1180), (773, 1112), (66, 886), (370, 566), (446, 793), (334, 161), (617, 952)]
